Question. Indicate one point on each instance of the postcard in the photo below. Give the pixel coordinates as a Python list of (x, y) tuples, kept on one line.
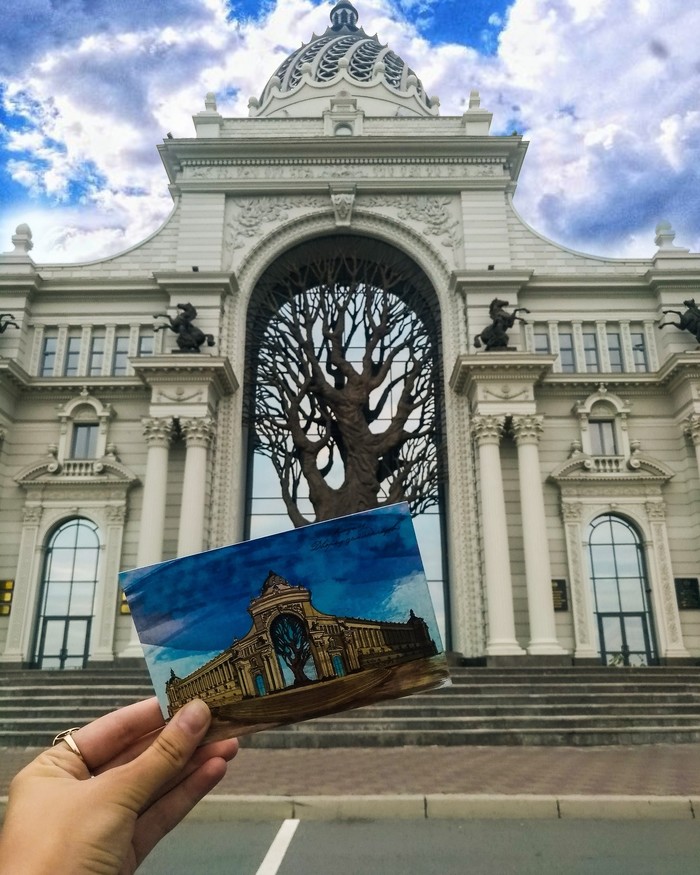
[(319, 619)]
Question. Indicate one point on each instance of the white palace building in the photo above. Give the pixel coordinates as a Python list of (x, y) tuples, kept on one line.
[(568, 528)]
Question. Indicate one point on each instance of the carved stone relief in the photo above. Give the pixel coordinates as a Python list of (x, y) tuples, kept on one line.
[(434, 214)]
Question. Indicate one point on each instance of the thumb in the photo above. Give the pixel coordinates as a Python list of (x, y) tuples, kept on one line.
[(166, 758)]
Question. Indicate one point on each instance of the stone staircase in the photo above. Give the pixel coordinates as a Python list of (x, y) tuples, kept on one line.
[(36, 705), (518, 706), (487, 706)]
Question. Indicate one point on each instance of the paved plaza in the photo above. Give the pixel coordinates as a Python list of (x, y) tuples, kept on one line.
[(385, 777)]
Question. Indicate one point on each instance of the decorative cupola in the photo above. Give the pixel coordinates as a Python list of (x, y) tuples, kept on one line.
[(344, 58)]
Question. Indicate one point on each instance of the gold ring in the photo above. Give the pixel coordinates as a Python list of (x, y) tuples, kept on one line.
[(67, 736)]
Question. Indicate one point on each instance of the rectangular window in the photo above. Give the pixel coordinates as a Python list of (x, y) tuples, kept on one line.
[(639, 351), (48, 357), (541, 342), (590, 350), (72, 357), (146, 344), (97, 354), (84, 443), (603, 441), (615, 352), (120, 358), (566, 352)]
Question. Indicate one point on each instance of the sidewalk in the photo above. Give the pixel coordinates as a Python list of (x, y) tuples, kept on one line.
[(618, 781)]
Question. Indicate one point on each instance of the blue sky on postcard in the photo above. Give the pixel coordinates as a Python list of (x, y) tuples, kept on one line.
[(604, 90)]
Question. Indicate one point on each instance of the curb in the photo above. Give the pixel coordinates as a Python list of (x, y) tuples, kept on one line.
[(445, 806), (455, 806)]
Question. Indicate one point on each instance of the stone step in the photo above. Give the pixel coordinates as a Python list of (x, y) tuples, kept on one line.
[(338, 722), (552, 736)]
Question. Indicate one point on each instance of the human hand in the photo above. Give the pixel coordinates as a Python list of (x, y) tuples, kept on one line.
[(104, 815)]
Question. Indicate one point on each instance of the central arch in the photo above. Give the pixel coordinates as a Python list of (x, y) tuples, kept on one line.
[(343, 394)]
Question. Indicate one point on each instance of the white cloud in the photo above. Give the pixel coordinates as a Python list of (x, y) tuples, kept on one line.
[(612, 122)]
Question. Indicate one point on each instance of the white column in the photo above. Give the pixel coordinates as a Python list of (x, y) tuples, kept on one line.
[(538, 575), (22, 618), (157, 433), (198, 433), (499, 589)]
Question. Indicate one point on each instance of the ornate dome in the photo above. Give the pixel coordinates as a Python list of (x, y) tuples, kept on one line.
[(344, 49)]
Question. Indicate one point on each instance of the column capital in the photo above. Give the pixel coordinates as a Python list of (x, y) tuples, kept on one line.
[(691, 427), (157, 431), (656, 510), (572, 511), (528, 428), (488, 429), (198, 431)]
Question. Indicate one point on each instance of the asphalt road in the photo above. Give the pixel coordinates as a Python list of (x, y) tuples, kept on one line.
[(443, 847)]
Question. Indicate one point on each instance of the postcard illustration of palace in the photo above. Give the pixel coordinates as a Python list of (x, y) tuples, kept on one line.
[(296, 625)]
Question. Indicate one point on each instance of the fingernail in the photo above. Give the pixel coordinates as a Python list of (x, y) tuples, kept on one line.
[(194, 716)]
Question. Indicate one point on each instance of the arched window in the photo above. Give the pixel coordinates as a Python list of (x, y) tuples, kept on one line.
[(68, 587), (620, 592)]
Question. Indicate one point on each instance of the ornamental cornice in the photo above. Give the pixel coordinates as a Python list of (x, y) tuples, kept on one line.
[(94, 473), (489, 367), (208, 281), (604, 471), (174, 368), (341, 161), (575, 385), (683, 367)]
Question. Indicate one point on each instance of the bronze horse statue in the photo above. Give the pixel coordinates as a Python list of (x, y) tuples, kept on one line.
[(495, 336), (189, 337), (7, 319), (688, 321)]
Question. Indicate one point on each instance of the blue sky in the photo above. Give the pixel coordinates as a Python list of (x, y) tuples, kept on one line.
[(606, 91), (190, 609)]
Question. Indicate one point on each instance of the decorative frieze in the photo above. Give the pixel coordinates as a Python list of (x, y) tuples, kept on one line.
[(309, 170)]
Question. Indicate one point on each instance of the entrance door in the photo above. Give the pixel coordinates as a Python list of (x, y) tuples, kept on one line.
[(625, 639), (64, 642), (69, 582), (620, 593)]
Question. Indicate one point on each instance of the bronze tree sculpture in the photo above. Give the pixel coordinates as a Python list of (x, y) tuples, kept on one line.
[(344, 364)]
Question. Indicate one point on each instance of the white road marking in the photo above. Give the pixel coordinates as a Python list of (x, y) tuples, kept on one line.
[(278, 848)]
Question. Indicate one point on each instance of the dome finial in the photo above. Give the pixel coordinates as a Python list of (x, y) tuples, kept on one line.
[(344, 15)]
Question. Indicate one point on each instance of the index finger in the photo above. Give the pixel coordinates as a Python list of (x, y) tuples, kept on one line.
[(105, 738)]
